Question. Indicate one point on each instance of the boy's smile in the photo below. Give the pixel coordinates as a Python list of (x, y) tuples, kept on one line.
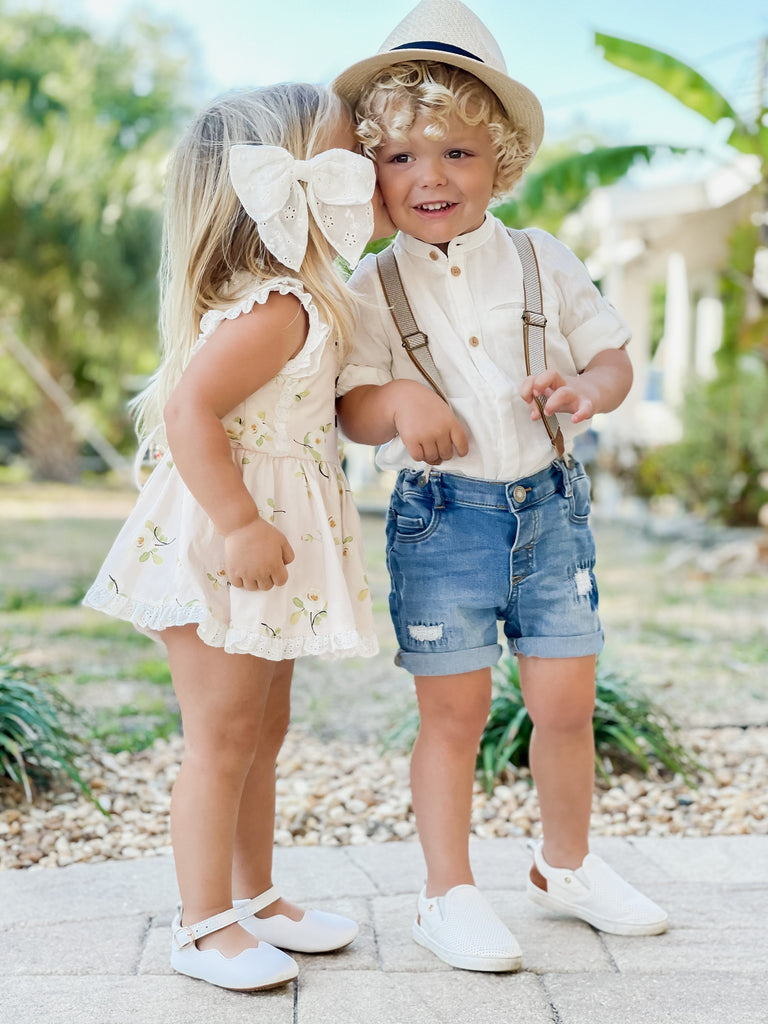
[(436, 189)]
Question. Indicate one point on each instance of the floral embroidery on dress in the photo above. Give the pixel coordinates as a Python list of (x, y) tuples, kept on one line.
[(218, 580), (260, 429), (269, 517), (311, 609), (313, 443), (157, 540)]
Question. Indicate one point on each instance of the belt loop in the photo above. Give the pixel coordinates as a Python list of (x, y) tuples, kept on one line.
[(565, 471), (435, 481)]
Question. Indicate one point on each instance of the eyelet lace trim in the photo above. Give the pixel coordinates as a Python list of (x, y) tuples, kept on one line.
[(306, 361), (148, 618)]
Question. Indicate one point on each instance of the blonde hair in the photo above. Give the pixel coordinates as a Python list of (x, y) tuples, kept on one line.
[(398, 95), (208, 238)]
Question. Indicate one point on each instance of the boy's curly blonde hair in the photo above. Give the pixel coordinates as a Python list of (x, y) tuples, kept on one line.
[(398, 95)]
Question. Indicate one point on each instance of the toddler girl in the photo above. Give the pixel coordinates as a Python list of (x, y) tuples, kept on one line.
[(243, 551)]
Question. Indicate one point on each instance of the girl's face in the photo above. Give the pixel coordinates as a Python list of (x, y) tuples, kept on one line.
[(437, 189)]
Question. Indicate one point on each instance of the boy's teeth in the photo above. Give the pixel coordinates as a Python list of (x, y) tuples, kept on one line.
[(434, 206)]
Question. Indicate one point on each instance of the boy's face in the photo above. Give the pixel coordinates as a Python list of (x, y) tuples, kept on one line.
[(436, 189)]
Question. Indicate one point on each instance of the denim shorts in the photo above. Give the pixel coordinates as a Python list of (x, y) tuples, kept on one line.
[(464, 553)]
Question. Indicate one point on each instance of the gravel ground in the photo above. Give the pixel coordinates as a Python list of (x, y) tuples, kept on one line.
[(337, 794)]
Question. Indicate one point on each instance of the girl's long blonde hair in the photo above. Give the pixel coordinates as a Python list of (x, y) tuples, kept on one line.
[(208, 238)]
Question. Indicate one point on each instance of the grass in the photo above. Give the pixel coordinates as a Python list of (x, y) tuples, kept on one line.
[(134, 726)]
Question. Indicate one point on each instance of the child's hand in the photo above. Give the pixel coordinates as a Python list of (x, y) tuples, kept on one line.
[(600, 387), (559, 393), (429, 429), (256, 556)]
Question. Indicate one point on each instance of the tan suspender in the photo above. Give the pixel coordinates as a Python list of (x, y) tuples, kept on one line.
[(416, 342)]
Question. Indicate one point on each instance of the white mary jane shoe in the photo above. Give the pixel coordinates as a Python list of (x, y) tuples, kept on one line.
[(316, 932), (253, 969)]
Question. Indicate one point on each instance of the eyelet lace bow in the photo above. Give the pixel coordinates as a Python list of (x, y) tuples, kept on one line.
[(339, 186)]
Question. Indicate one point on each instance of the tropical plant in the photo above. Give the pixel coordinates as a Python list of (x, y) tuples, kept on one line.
[(689, 87), (631, 731), (39, 729)]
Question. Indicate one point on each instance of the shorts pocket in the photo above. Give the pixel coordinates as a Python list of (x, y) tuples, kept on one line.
[(580, 502), (412, 513)]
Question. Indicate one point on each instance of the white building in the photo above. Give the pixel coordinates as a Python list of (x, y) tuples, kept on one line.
[(678, 235)]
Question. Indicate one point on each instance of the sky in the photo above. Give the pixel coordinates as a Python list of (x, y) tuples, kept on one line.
[(548, 45)]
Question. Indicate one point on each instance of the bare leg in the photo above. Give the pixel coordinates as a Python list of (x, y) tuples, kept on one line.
[(454, 710), (559, 694), (222, 699), (254, 839)]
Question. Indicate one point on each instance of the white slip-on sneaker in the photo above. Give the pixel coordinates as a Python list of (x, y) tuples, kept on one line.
[(261, 967), (462, 929), (595, 893), (316, 932)]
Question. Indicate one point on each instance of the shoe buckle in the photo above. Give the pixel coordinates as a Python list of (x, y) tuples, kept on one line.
[(189, 934)]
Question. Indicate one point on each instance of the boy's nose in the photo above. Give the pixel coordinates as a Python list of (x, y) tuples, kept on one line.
[(433, 173)]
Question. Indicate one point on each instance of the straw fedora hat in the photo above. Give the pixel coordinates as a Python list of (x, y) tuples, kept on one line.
[(447, 31)]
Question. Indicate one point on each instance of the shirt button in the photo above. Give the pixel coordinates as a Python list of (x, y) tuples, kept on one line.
[(455, 271), (519, 493), (433, 255), (474, 342)]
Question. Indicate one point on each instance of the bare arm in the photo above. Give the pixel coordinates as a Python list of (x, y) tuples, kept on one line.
[(374, 414), (236, 361), (601, 386)]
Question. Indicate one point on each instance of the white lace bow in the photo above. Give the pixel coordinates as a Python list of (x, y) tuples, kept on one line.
[(339, 186)]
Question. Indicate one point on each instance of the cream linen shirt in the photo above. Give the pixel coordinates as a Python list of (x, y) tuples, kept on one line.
[(470, 303)]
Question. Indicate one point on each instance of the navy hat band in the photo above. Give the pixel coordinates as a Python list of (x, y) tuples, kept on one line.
[(432, 45)]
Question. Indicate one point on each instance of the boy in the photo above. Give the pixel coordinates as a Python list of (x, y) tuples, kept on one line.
[(500, 530)]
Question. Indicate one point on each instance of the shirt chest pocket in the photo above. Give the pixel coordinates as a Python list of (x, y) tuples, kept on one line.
[(503, 331)]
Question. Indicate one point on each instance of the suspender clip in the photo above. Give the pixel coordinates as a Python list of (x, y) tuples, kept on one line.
[(532, 319)]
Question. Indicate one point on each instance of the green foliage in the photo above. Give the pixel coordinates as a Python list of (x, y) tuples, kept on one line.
[(718, 468), (134, 727), (39, 741), (85, 126), (562, 182), (688, 87), (630, 730)]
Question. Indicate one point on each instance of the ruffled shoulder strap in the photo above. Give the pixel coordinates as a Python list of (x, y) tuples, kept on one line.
[(304, 362)]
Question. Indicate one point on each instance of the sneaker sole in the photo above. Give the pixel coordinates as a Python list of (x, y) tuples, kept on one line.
[(602, 924), (466, 963)]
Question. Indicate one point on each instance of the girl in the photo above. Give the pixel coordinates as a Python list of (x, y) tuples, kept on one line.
[(243, 551)]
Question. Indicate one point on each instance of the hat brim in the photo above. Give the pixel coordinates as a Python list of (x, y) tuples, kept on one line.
[(520, 104)]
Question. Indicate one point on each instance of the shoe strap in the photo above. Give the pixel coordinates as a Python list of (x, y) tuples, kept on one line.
[(249, 907), (185, 934)]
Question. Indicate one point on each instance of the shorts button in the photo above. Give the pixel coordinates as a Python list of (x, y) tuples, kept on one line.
[(519, 493)]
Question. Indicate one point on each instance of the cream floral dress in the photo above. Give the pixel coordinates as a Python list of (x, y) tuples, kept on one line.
[(166, 567)]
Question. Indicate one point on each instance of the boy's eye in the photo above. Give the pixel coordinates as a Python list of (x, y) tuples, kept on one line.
[(399, 158), (456, 154)]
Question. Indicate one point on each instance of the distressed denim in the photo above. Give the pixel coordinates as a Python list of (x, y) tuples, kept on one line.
[(464, 554)]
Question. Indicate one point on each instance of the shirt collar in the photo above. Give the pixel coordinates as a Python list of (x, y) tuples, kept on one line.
[(465, 243)]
